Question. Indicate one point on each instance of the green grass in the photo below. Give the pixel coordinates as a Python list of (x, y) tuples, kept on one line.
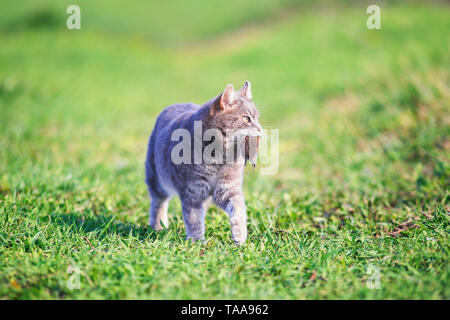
[(364, 149)]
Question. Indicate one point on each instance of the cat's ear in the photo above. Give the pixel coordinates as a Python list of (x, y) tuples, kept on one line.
[(226, 97), (223, 100), (246, 90)]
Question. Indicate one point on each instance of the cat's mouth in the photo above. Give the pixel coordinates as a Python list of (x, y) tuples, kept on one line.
[(251, 149), (249, 133)]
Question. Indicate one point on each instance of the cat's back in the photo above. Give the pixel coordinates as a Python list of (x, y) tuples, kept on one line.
[(173, 116), (157, 167)]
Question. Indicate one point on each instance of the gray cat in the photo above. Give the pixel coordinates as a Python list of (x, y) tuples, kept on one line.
[(197, 182)]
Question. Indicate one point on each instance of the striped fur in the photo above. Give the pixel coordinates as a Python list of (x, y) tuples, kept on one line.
[(196, 184)]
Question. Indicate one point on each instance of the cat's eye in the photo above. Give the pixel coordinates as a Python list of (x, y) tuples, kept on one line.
[(246, 119)]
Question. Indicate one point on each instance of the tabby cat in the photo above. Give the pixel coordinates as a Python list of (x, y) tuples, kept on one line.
[(229, 115)]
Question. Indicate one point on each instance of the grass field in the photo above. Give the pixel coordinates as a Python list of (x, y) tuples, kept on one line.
[(363, 181)]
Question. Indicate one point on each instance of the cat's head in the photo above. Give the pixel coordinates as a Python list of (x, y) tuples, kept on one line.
[(235, 111)]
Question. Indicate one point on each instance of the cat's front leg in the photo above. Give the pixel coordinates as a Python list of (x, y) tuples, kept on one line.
[(235, 207), (238, 219)]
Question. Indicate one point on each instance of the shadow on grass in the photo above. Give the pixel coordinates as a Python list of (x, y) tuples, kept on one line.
[(105, 226)]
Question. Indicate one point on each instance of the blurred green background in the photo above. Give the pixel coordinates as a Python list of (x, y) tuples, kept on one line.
[(364, 148)]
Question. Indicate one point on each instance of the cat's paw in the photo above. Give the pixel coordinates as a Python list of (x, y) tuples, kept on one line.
[(239, 242), (200, 239), (156, 226), (239, 239), (238, 232)]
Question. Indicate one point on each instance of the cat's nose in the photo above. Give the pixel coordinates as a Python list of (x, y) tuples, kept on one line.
[(258, 127)]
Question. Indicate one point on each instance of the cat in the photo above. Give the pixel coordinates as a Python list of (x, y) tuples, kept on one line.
[(195, 183)]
